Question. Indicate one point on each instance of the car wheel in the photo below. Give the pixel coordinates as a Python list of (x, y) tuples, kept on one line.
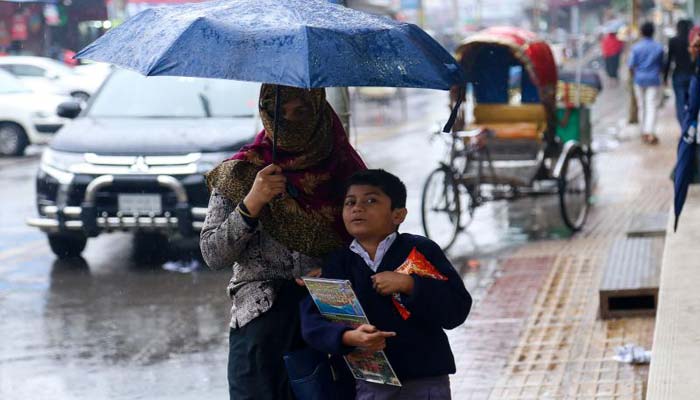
[(80, 96), (67, 245), (13, 140)]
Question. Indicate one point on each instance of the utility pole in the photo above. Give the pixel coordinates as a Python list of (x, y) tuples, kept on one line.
[(421, 14), (457, 19), (633, 116)]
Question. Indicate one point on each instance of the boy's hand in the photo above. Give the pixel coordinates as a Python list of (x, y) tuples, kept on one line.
[(314, 273), (389, 282), (367, 337)]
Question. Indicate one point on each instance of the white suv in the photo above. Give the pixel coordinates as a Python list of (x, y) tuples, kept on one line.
[(50, 76), (26, 117)]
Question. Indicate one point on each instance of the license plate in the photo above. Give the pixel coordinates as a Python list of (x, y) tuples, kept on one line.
[(142, 204)]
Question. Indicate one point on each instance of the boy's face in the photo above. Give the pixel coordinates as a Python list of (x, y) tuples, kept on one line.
[(367, 213)]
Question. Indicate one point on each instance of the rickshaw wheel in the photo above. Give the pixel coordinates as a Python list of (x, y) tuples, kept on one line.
[(440, 208), (575, 190)]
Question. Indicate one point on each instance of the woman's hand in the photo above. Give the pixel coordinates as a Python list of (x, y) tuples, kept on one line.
[(269, 182), (367, 337), (314, 273), (389, 282)]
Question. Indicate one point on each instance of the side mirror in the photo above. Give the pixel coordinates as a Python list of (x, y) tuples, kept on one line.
[(52, 76), (69, 109)]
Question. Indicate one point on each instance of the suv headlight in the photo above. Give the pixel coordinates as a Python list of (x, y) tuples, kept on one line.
[(209, 161), (61, 160)]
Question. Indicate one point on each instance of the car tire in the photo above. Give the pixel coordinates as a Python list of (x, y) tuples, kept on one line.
[(13, 139), (67, 245)]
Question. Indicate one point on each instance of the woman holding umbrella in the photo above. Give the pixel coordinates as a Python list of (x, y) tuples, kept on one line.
[(273, 222)]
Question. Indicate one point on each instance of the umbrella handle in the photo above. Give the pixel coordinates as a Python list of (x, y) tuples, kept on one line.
[(455, 110), (278, 106)]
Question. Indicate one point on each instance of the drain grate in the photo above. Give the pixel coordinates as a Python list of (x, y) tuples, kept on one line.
[(565, 352)]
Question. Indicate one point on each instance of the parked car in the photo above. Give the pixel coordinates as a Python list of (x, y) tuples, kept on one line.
[(134, 160), (95, 71), (46, 75), (26, 117)]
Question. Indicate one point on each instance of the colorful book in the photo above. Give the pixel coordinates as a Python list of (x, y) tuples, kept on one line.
[(337, 302)]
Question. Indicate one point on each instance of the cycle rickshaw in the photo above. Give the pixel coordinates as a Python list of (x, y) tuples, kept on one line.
[(510, 148)]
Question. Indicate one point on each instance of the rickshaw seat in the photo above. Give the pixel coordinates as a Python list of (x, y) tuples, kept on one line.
[(525, 121)]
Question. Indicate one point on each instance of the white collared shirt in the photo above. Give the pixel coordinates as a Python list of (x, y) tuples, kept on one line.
[(383, 247)]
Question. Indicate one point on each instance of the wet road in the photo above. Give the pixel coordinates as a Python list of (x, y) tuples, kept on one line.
[(105, 327), (112, 326)]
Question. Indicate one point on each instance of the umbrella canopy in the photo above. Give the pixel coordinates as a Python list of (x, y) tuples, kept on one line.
[(302, 43), (683, 172), (685, 169)]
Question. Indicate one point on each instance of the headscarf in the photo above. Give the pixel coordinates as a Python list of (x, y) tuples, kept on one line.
[(316, 158)]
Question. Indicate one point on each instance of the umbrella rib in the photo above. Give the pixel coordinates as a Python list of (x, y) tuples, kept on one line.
[(308, 58)]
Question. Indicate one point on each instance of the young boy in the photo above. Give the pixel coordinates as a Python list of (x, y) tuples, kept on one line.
[(413, 339)]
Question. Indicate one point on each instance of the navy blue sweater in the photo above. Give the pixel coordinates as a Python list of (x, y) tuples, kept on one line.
[(420, 348)]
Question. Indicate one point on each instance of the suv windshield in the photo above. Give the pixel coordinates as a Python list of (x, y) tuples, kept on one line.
[(10, 84), (128, 94)]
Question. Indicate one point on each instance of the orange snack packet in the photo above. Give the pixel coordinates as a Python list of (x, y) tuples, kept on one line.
[(417, 264)]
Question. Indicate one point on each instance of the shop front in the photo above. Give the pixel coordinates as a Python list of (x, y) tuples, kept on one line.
[(50, 28)]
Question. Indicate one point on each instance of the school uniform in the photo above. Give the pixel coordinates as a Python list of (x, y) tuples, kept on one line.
[(420, 351)]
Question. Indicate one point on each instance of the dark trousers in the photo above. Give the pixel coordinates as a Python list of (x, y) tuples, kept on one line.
[(256, 369), (612, 65), (681, 82)]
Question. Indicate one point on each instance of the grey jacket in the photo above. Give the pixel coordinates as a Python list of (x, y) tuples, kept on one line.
[(259, 262)]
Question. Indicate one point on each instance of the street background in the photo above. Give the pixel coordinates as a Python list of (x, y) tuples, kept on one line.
[(115, 324), (112, 326)]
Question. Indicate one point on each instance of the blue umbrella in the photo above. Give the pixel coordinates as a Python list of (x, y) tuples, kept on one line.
[(302, 43), (684, 171)]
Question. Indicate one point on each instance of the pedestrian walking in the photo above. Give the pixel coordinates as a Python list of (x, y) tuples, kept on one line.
[(611, 48), (645, 64), (273, 223), (679, 65)]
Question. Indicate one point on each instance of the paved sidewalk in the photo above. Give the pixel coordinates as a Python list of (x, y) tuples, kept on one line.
[(535, 332)]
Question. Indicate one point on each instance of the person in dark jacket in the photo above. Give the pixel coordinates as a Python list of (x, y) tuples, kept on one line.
[(415, 344), (679, 65)]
